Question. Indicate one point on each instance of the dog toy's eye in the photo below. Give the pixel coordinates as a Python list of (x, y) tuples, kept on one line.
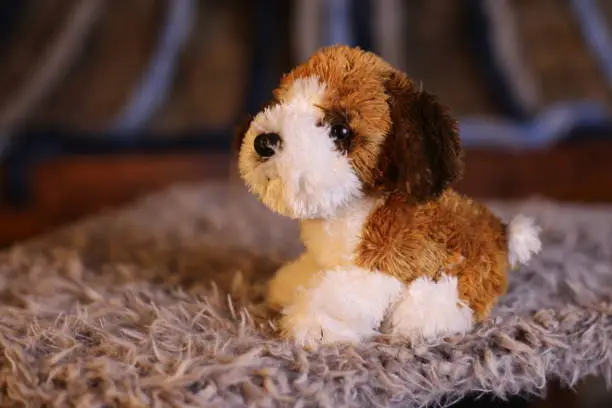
[(340, 132)]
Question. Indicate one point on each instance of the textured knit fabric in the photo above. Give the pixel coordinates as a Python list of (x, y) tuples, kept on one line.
[(120, 310)]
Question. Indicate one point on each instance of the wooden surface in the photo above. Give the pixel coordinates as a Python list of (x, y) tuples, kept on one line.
[(574, 172), (70, 188)]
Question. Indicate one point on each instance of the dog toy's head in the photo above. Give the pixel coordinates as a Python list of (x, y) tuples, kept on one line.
[(342, 126)]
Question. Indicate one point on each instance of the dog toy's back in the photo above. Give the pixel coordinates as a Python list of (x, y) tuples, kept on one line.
[(365, 161)]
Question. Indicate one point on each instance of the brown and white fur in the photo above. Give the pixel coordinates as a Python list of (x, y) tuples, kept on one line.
[(364, 159)]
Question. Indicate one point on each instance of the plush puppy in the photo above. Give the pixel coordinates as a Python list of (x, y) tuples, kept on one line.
[(364, 160)]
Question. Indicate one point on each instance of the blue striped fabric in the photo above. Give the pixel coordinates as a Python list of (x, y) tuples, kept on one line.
[(596, 33), (552, 123), (156, 82), (339, 23), (345, 23), (555, 123)]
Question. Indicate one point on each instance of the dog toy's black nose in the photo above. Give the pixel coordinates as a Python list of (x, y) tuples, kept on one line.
[(266, 143)]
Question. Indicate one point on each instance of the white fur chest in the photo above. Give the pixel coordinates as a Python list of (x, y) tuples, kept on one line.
[(332, 242)]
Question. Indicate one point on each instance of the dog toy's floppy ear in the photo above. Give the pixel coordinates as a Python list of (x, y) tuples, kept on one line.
[(422, 155)]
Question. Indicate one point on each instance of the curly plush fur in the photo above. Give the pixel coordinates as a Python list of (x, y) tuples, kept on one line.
[(366, 161)]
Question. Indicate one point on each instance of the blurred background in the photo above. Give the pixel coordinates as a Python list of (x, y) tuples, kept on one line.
[(104, 101)]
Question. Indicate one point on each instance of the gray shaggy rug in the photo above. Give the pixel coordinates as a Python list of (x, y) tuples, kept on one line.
[(121, 311)]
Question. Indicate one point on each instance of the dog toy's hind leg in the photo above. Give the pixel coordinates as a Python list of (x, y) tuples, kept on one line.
[(429, 309)]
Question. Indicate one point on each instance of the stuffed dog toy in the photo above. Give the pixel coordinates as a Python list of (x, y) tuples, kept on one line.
[(364, 159)]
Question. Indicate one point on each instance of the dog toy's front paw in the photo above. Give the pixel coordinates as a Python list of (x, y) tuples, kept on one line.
[(310, 328), (343, 305)]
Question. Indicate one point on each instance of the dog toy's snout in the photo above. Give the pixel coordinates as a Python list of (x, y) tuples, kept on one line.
[(267, 144)]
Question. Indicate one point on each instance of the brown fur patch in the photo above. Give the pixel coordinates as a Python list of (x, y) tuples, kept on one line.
[(355, 91), (452, 235)]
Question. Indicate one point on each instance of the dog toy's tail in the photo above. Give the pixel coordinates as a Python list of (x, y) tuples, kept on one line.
[(523, 240)]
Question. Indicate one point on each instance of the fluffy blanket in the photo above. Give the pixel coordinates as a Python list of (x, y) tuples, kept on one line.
[(159, 304)]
